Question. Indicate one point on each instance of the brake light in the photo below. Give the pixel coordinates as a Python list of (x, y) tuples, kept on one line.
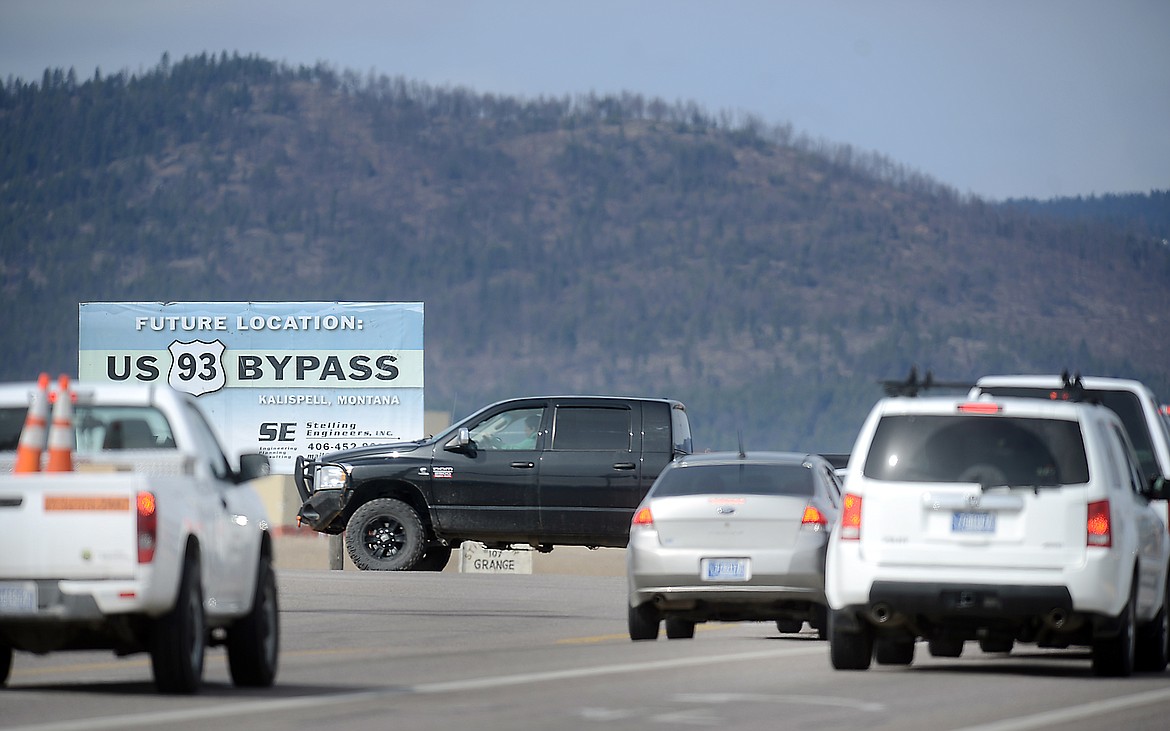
[(851, 518), (147, 526), (980, 407), (643, 517), (813, 518), (1097, 528)]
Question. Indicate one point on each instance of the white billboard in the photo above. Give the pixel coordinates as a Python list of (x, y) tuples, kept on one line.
[(279, 378)]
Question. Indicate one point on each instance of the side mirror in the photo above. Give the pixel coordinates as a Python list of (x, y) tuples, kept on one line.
[(461, 442), (253, 466)]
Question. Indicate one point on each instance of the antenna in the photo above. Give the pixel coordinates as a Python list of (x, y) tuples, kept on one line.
[(742, 454)]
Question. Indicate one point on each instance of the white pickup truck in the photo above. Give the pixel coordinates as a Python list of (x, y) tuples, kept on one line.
[(153, 543)]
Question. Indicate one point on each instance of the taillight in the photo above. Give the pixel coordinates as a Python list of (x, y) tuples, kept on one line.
[(643, 517), (1097, 531), (813, 519), (851, 518), (147, 526)]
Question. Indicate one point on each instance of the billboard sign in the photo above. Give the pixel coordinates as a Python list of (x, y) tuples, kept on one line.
[(279, 378)]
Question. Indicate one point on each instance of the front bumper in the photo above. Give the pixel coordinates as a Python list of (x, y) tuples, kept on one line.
[(321, 509)]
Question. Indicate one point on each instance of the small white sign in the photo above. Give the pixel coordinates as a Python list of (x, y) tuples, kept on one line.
[(475, 558)]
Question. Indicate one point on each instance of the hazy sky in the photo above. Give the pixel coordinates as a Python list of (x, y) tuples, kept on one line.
[(999, 98)]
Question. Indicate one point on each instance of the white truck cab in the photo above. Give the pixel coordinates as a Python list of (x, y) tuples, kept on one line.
[(154, 542), (997, 520)]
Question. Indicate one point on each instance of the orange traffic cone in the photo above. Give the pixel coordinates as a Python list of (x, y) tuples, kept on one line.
[(33, 435), (62, 440)]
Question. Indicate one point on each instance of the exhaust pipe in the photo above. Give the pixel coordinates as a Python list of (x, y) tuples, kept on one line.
[(880, 613), (1056, 618)]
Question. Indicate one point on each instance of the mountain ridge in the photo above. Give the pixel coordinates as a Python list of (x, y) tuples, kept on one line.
[(589, 244)]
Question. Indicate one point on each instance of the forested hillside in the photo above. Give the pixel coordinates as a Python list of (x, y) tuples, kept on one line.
[(577, 244)]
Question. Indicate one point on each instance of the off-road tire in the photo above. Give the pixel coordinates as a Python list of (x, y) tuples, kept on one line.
[(253, 641), (385, 535), (643, 622), (179, 637)]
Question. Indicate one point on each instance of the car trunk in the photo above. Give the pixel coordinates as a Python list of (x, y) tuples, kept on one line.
[(728, 522)]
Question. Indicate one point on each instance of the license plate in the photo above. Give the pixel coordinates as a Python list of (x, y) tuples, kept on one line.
[(18, 597), (964, 522), (725, 569)]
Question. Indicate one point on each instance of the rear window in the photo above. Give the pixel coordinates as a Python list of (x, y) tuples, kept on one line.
[(1124, 403), (736, 479), (983, 449), (100, 428)]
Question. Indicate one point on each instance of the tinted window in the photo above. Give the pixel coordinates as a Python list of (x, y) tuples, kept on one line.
[(987, 450), (1124, 403), (656, 427), (736, 479), (682, 430), (592, 428)]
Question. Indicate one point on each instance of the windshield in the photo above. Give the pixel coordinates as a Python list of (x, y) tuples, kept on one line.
[(982, 449), (736, 479)]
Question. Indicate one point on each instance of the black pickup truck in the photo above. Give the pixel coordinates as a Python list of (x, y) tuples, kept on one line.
[(541, 471)]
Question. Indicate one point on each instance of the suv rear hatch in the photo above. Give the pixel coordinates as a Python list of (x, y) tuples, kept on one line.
[(975, 489)]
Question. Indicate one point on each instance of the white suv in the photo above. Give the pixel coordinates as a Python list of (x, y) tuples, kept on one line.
[(997, 520)]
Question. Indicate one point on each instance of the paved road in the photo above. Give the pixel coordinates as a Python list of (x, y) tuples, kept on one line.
[(364, 650)]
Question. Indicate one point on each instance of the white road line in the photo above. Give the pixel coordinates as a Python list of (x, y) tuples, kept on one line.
[(1073, 713), (229, 709)]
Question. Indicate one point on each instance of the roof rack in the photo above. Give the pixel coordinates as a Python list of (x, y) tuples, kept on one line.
[(912, 386), (1072, 388)]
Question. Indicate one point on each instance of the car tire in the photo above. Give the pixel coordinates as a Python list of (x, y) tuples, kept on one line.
[(820, 621), (849, 650), (179, 637), (434, 558), (789, 626), (5, 664), (1114, 656), (643, 622), (1152, 653), (384, 535), (890, 651), (253, 641), (679, 629), (996, 645), (945, 647)]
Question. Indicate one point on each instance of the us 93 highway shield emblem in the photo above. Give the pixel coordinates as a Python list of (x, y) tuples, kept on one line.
[(197, 367)]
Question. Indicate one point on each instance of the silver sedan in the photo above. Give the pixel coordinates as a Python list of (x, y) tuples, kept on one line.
[(730, 536)]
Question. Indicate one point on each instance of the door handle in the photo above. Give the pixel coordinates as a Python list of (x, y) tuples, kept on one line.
[(523, 465), (624, 465)]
